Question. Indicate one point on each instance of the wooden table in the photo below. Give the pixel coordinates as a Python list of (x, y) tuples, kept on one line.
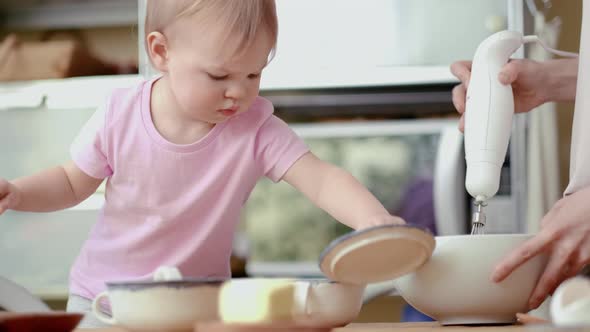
[(419, 327), (424, 327)]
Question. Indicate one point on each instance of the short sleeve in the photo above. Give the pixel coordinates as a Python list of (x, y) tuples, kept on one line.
[(88, 150), (278, 148)]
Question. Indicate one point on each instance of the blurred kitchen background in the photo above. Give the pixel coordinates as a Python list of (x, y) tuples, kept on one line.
[(367, 85)]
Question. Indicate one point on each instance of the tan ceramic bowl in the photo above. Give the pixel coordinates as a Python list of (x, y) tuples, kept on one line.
[(454, 285)]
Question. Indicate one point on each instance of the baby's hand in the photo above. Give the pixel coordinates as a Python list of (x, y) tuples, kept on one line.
[(382, 219), (9, 195)]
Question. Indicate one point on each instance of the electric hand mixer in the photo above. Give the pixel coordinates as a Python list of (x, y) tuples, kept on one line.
[(488, 118)]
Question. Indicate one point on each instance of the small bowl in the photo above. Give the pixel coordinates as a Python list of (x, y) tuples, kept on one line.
[(454, 285), (160, 305), (329, 303)]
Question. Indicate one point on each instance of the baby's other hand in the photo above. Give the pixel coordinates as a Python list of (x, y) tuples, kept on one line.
[(382, 219), (9, 195)]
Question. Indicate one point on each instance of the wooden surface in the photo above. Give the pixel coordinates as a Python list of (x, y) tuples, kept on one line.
[(423, 327), (411, 327)]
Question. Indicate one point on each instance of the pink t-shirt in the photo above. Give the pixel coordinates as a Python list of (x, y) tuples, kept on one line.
[(169, 204)]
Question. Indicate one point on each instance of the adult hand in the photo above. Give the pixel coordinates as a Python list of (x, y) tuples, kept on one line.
[(528, 79), (564, 236), (9, 196)]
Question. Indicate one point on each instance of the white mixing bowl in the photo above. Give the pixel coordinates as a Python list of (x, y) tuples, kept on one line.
[(454, 285)]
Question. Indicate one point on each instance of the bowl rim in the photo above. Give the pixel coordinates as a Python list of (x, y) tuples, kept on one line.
[(180, 283), (480, 236)]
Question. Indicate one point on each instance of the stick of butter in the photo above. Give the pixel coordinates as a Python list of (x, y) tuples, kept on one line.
[(257, 301)]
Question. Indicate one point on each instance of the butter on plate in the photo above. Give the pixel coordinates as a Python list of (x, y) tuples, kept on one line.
[(257, 301)]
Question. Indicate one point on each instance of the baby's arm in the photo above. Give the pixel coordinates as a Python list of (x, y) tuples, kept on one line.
[(53, 189), (337, 192)]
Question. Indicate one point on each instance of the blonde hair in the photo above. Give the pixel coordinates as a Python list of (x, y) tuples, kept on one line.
[(242, 18)]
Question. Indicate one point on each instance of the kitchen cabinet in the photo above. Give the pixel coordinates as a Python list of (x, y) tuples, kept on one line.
[(76, 37), (65, 14)]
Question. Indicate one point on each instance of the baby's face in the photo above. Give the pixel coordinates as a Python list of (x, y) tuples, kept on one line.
[(212, 82)]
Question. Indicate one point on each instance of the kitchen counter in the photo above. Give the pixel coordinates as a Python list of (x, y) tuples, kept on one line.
[(419, 327), (423, 327)]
